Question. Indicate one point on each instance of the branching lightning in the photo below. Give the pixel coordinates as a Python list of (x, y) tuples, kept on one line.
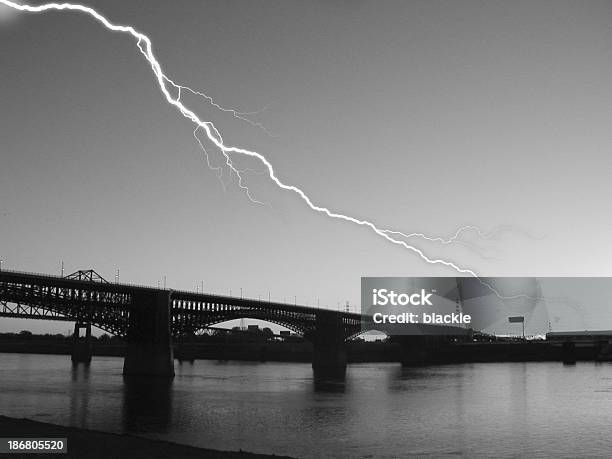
[(236, 114), (454, 238), (457, 236), (166, 86)]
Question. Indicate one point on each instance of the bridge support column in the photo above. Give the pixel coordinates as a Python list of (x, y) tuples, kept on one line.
[(569, 353), (81, 346), (149, 350), (183, 349), (417, 350), (329, 348)]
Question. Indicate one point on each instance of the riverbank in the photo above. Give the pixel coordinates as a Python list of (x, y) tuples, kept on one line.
[(503, 350), (299, 351), (84, 443)]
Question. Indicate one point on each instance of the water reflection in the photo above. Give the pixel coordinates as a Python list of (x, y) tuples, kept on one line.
[(147, 404), (377, 409), (327, 384), (79, 394)]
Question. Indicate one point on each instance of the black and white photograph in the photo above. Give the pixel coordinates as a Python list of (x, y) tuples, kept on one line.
[(305, 228)]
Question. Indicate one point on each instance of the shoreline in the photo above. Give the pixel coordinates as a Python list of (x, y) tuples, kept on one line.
[(359, 352), (454, 353), (95, 444)]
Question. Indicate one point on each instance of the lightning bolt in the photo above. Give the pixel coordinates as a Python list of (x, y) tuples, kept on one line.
[(228, 161), (165, 84), (230, 166), (454, 238), (457, 236), (236, 114)]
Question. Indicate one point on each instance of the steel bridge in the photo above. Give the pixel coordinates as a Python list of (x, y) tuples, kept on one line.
[(149, 318), (86, 297)]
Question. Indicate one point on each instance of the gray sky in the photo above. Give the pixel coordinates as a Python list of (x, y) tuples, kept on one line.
[(421, 116)]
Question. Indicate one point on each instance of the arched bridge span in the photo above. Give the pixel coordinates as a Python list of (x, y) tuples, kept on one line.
[(149, 318), (88, 298)]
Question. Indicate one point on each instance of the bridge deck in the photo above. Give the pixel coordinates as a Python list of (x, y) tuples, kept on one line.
[(108, 305), (37, 279)]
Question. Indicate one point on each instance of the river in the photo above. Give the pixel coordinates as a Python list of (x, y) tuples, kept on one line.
[(380, 410)]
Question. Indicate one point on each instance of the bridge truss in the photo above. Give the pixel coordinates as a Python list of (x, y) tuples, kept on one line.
[(87, 298)]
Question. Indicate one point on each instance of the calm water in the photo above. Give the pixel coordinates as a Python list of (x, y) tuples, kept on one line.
[(514, 409)]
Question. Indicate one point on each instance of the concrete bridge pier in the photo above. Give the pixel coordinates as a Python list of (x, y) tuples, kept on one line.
[(149, 337), (329, 347), (569, 353), (418, 350), (81, 346), (183, 350)]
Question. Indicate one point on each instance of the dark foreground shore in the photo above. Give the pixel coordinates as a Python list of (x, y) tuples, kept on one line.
[(91, 444)]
